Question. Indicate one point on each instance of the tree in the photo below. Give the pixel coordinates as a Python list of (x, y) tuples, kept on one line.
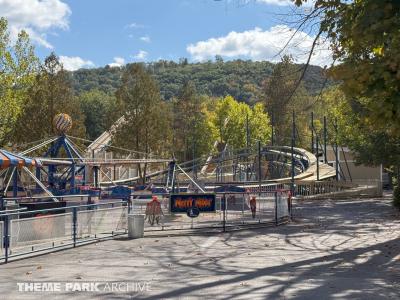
[(18, 65), (370, 146), (146, 129), (365, 39), (99, 109), (193, 133), (230, 121), (50, 94), (281, 101)]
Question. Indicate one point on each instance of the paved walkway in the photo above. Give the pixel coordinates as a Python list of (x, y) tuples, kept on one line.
[(346, 249)]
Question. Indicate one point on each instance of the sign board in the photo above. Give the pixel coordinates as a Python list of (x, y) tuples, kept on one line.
[(193, 212), (180, 203)]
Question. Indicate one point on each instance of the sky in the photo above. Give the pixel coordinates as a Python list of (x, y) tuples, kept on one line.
[(95, 33)]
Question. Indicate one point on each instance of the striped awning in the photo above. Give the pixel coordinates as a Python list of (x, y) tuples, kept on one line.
[(8, 159)]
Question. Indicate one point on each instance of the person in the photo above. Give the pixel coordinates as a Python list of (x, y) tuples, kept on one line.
[(253, 206), (153, 211)]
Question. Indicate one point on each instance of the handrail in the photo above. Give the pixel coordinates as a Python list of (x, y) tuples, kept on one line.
[(63, 208)]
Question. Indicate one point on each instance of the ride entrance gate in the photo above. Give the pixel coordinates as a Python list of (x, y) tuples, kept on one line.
[(232, 210)]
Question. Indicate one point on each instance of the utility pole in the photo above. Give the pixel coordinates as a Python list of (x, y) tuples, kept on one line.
[(272, 129), (325, 140), (317, 157), (312, 132), (336, 151), (194, 158), (292, 151), (259, 165), (247, 131)]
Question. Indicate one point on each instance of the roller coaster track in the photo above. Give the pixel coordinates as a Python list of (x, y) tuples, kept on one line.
[(305, 165)]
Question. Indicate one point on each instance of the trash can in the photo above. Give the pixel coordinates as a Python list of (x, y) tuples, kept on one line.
[(135, 226)]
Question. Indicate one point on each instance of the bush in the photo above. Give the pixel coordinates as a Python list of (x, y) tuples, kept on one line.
[(396, 196)]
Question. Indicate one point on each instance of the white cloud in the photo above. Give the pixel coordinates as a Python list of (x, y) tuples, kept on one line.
[(72, 63), (134, 25), (36, 17), (276, 2), (257, 44), (118, 62), (145, 39), (140, 55)]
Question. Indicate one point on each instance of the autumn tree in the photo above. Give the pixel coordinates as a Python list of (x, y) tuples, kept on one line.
[(193, 134), (50, 94), (284, 94), (146, 127)]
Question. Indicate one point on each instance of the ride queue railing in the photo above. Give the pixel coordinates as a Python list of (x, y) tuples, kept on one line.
[(331, 188), (26, 232), (232, 210)]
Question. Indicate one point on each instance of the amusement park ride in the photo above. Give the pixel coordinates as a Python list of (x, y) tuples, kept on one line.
[(61, 167)]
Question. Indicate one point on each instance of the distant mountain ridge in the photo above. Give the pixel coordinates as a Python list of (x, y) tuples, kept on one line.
[(241, 79)]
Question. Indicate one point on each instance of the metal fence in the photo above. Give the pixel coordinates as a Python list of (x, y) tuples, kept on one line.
[(28, 232), (23, 232), (331, 188), (232, 210)]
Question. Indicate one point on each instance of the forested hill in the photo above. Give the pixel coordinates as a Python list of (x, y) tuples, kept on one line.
[(238, 78)]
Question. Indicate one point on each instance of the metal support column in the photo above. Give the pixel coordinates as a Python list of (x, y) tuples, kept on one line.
[(247, 131), (15, 182), (37, 174), (316, 138), (325, 140), (312, 132), (6, 239), (74, 225), (292, 153), (259, 165), (272, 129), (336, 152), (96, 176), (72, 182)]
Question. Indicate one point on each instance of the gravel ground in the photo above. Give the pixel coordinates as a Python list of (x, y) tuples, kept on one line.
[(342, 249)]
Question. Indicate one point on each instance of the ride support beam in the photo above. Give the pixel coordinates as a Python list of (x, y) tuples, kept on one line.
[(15, 182), (292, 152)]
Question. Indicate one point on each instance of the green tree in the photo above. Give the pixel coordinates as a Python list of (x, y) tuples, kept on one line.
[(283, 94), (193, 133), (371, 146), (365, 39), (100, 112), (18, 65), (50, 94), (146, 128), (230, 121)]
